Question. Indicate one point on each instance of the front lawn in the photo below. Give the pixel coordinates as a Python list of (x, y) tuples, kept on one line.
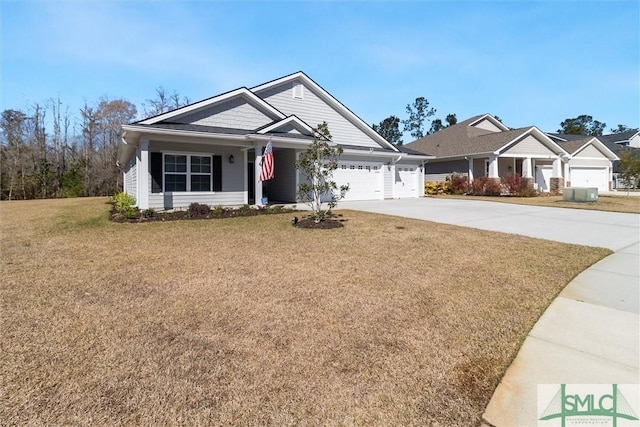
[(624, 204), (251, 321)]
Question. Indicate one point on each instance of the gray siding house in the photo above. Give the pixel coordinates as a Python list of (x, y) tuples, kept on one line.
[(210, 151)]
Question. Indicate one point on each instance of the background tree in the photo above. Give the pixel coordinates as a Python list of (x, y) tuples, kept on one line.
[(582, 125), (317, 164), (389, 129), (163, 102), (418, 113), (622, 129), (629, 169), (451, 119), (436, 124)]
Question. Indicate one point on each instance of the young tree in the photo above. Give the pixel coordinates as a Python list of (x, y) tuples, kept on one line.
[(582, 125), (418, 113), (317, 164), (389, 129), (629, 168)]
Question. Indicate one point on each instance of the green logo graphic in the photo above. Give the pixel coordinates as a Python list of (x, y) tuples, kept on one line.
[(566, 405)]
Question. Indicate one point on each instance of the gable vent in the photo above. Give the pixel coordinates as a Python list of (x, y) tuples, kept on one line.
[(298, 90)]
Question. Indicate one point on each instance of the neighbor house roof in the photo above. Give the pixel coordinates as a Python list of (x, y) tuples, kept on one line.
[(465, 139), (614, 142)]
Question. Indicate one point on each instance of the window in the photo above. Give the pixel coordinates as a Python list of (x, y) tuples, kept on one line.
[(175, 173), (200, 173), (359, 167), (187, 173)]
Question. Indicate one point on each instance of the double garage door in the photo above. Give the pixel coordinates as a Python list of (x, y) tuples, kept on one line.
[(364, 179), (590, 177)]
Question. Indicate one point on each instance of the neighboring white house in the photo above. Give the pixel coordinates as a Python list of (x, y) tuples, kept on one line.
[(483, 146), (210, 151)]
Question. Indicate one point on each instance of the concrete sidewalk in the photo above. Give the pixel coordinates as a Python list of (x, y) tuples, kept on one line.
[(590, 334)]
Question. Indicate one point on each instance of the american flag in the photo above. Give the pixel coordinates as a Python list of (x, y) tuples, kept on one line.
[(267, 163)]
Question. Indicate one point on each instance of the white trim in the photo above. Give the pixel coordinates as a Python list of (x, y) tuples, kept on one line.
[(534, 131), (291, 119), (251, 97), (597, 144), (188, 172), (492, 120)]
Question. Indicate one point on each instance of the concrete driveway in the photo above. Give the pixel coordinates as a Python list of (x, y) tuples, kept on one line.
[(590, 334)]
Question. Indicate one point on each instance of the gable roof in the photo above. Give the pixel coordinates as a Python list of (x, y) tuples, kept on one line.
[(330, 100), (574, 147), (465, 139), (266, 108), (614, 143)]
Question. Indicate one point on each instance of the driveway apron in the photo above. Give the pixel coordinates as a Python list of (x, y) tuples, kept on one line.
[(590, 334)]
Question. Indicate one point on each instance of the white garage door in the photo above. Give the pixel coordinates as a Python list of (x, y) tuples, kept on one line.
[(590, 177), (364, 179), (406, 182)]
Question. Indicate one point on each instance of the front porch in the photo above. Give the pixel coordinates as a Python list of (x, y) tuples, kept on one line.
[(543, 173)]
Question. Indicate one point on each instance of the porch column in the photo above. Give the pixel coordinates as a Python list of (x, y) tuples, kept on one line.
[(526, 168), (246, 182), (256, 176), (556, 182), (493, 167), (557, 168), (144, 172), (470, 169)]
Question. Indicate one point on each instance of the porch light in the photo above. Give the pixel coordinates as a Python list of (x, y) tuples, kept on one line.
[(231, 159)]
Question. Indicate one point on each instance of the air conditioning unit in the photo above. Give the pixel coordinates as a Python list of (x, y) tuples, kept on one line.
[(580, 194)]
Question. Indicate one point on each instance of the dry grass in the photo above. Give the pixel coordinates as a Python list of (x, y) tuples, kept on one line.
[(250, 321), (623, 204)]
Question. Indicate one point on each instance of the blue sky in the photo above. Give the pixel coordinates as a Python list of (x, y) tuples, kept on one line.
[(531, 63)]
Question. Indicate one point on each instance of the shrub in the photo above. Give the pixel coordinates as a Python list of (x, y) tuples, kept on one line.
[(435, 188), (485, 186), (512, 182), (217, 210), (198, 209), (517, 186), (245, 209), (123, 201), (148, 213), (130, 212), (459, 183)]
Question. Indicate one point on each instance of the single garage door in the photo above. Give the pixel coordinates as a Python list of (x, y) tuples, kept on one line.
[(543, 177), (590, 177), (364, 179), (406, 182)]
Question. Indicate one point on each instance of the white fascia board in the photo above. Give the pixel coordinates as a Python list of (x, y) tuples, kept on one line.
[(541, 136), (192, 136), (243, 91), (327, 97), (492, 120), (291, 119), (395, 155)]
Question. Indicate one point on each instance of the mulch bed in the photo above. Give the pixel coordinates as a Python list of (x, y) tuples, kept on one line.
[(332, 221), (216, 213)]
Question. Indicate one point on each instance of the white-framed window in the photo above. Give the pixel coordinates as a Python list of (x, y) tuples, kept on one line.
[(352, 167), (187, 172)]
